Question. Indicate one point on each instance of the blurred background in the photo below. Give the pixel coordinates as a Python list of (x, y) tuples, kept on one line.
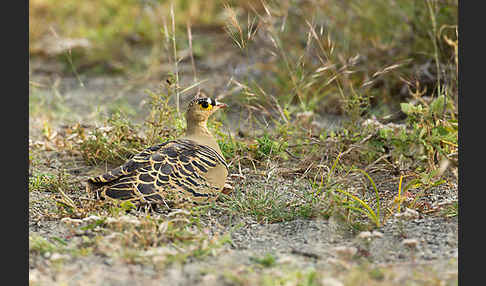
[(315, 65), (284, 43)]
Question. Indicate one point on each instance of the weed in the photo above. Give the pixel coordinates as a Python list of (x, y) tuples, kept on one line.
[(232, 148), (45, 182), (42, 246), (114, 143), (451, 210), (268, 260), (268, 147), (376, 274), (274, 205), (148, 240), (295, 277), (436, 136), (163, 122), (114, 29)]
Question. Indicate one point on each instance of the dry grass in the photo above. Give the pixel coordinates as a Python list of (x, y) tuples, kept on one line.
[(296, 69)]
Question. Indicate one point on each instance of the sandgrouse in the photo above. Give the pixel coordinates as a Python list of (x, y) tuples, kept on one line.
[(191, 168)]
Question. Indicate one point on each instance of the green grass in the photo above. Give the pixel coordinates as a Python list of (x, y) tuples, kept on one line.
[(451, 210), (115, 29), (268, 260), (313, 62), (41, 100), (273, 202), (113, 144), (354, 62), (149, 240), (41, 245), (356, 59), (46, 182)]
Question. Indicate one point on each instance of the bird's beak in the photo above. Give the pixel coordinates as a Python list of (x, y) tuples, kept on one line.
[(221, 105)]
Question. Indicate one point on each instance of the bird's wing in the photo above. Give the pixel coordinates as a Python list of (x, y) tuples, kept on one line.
[(168, 171)]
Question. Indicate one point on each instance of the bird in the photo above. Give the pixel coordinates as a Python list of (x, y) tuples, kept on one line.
[(188, 169)]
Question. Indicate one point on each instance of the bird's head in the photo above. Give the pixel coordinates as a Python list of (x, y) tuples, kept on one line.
[(200, 108)]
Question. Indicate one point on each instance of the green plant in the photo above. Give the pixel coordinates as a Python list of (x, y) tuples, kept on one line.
[(364, 207), (41, 245), (163, 122), (268, 260), (451, 210), (436, 134), (271, 205), (267, 147), (232, 148), (114, 143), (44, 182)]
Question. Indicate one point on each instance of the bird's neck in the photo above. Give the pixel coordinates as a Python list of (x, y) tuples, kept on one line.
[(199, 132), (199, 128)]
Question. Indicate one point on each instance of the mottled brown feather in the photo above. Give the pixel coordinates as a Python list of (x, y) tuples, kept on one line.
[(191, 168), (171, 171)]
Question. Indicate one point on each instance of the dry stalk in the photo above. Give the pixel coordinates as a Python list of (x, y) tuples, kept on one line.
[(176, 68)]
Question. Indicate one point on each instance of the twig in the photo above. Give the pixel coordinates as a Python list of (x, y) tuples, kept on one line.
[(304, 253), (304, 144), (291, 155), (376, 161), (67, 200), (357, 145), (175, 59), (191, 54)]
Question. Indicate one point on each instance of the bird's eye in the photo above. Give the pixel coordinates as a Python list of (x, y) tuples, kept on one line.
[(204, 104)]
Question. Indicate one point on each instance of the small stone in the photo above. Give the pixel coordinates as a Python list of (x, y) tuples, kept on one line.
[(91, 219), (329, 281), (58, 257), (285, 259), (408, 214), (364, 235), (227, 189), (411, 242), (377, 234), (338, 262), (71, 221), (345, 252)]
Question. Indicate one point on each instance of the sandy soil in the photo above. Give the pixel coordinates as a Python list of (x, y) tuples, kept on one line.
[(318, 245)]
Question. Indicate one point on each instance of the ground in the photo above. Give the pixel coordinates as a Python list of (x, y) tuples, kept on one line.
[(293, 251), (277, 227)]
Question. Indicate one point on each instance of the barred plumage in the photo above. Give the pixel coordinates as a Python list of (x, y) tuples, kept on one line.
[(187, 169)]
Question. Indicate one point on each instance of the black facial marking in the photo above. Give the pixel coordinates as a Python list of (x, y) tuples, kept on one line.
[(205, 102)]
